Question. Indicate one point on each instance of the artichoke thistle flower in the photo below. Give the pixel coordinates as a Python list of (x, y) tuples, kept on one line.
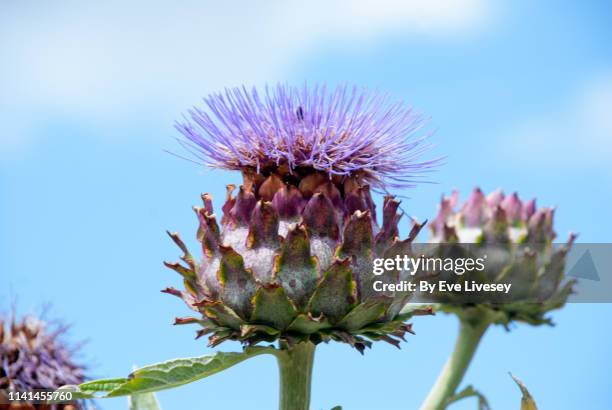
[(518, 238), (292, 259), (32, 357)]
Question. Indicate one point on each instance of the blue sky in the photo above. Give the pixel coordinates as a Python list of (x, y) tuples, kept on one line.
[(520, 96)]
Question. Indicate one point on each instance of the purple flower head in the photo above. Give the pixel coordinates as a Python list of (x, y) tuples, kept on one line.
[(32, 356), (347, 131)]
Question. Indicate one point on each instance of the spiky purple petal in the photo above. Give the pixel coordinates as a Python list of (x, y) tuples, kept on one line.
[(347, 131)]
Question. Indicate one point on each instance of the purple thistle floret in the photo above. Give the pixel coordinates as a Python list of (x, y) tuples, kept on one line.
[(347, 131)]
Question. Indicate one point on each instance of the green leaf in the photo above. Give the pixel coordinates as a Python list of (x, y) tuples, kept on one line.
[(469, 391), (89, 389), (166, 375), (527, 402), (143, 401), (337, 408)]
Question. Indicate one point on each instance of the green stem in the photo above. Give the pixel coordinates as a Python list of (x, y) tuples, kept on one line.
[(295, 366), (470, 333)]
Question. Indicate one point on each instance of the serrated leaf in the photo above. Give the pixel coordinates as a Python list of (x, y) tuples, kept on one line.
[(169, 374), (143, 401), (469, 391), (527, 402)]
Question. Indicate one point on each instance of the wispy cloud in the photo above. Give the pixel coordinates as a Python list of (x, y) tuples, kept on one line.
[(106, 61), (577, 133)]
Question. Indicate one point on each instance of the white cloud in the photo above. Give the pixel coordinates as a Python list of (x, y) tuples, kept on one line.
[(106, 61), (433, 17)]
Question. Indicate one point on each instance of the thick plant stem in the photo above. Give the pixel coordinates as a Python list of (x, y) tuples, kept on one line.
[(295, 365), (470, 333)]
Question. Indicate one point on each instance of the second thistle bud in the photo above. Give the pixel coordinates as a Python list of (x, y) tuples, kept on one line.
[(516, 239)]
